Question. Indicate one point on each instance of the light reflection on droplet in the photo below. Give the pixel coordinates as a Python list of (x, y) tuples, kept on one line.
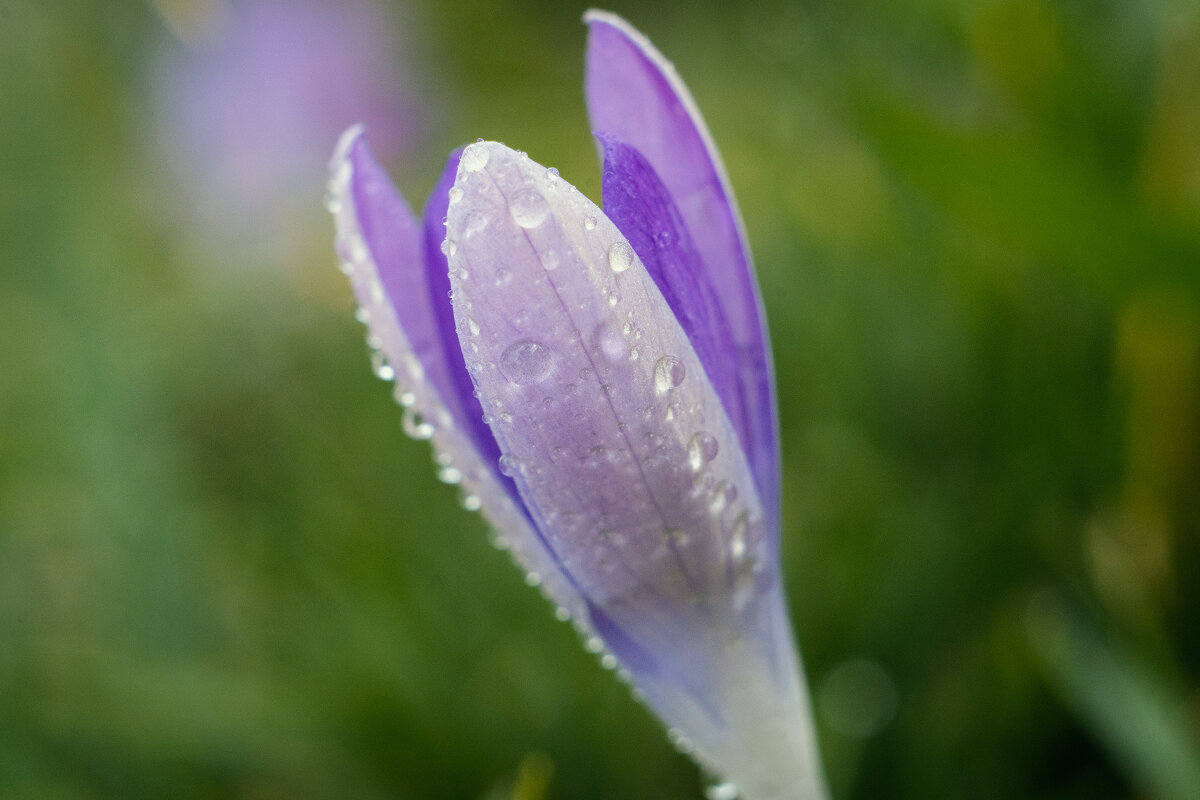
[(528, 208), (474, 158), (526, 362), (669, 372), (620, 256), (415, 425), (702, 448)]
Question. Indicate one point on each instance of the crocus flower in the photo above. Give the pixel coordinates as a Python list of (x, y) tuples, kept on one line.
[(600, 384)]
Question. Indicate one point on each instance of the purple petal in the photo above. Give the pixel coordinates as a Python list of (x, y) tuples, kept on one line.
[(460, 393), (635, 95), (640, 206), (382, 249), (624, 456)]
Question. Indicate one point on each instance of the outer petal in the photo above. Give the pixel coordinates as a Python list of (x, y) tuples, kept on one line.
[(381, 246), (627, 462), (635, 94)]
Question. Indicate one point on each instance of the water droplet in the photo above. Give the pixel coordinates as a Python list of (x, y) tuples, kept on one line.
[(589, 223), (722, 791), (552, 175), (382, 369), (620, 256), (449, 247), (406, 398), (508, 465), (449, 474), (737, 537), (669, 372), (472, 326), (533, 579), (679, 741), (594, 644), (473, 223), (609, 341), (415, 425), (701, 449), (456, 194), (549, 260), (608, 661), (633, 354), (474, 158), (526, 362), (471, 502), (721, 496), (528, 208), (362, 314), (562, 614)]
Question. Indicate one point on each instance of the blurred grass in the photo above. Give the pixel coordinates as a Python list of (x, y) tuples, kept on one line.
[(224, 572)]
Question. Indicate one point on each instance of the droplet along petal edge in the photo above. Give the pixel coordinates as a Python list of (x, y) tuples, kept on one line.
[(426, 413)]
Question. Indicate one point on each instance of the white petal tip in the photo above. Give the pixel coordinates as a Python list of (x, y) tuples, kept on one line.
[(345, 143)]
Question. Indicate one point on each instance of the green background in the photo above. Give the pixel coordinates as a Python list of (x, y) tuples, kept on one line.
[(226, 573)]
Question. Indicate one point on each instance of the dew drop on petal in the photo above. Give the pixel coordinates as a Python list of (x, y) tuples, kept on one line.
[(681, 743), (456, 194), (669, 372), (701, 449), (528, 208), (415, 425), (449, 474), (609, 341), (620, 256), (508, 465), (474, 223), (449, 247), (721, 496), (737, 537), (550, 260), (382, 369), (589, 223), (722, 791), (474, 158), (472, 326), (526, 362)]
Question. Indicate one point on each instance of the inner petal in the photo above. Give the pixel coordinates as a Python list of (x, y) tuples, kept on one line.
[(616, 439)]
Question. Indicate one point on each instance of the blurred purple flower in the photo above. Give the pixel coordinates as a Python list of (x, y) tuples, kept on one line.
[(260, 97), (599, 382)]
